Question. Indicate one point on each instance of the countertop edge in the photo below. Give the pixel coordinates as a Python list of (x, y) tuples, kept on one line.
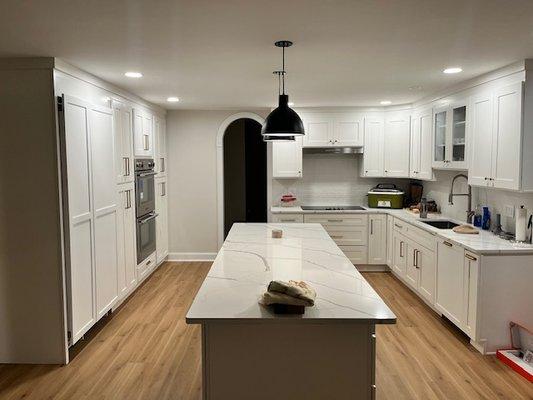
[(288, 319)]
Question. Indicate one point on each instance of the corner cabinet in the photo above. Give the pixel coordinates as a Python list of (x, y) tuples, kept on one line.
[(287, 158), (333, 130), (420, 164), (497, 148), (143, 137), (450, 136)]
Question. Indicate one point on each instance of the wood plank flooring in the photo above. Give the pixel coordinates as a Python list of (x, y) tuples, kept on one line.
[(146, 351)]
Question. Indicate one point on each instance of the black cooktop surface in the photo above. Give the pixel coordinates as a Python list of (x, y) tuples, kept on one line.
[(332, 208)]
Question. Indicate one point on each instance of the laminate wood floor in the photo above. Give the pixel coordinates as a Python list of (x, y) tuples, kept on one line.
[(146, 351)]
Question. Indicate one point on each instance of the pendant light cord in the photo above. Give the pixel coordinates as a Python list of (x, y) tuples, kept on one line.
[(283, 69)]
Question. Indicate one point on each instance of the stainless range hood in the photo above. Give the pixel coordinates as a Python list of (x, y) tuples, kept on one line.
[(333, 150)]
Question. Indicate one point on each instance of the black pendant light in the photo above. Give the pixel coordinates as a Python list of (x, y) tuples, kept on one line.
[(283, 123)]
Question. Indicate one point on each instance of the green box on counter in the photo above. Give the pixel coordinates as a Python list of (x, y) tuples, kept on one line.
[(385, 196)]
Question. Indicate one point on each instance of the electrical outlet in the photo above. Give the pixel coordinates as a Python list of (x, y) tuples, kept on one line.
[(508, 211)]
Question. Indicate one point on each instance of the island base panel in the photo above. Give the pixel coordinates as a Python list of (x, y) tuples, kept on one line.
[(288, 361)]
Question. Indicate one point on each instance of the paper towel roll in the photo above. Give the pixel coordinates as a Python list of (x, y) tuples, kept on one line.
[(520, 225)]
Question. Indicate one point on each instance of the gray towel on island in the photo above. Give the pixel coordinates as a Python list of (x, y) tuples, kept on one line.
[(292, 292)]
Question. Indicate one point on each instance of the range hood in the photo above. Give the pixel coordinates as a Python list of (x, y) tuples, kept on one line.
[(333, 150)]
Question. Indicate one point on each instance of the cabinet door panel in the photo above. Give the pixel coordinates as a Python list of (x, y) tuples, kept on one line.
[(397, 146), (507, 138), (481, 140), (425, 170), (399, 261), (450, 281), (348, 132), (411, 268), (287, 159), (390, 242), (377, 239), (425, 260), (373, 151), (318, 130), (414, 162), (471, 277), (130, 245), (105, 262)]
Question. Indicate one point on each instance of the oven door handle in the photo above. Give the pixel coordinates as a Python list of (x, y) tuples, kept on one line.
[(144, 174), (149, 218)]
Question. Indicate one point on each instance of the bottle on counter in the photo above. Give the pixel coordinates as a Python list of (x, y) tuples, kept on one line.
[(485, 224), (477, 217)]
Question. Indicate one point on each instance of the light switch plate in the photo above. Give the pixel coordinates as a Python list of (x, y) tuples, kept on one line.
[(508, 211)]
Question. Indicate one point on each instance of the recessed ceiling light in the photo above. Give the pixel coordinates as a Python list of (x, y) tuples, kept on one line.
[(173, 99), (453, 70), (291, 103), (132, 74), (385, 102)]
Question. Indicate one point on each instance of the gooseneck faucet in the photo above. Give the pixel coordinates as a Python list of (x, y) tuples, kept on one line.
[(469, 195)]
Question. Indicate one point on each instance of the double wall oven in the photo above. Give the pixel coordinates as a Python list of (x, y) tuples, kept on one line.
[(145, 207)]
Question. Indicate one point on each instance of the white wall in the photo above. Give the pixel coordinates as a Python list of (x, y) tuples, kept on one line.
[(192, 178)]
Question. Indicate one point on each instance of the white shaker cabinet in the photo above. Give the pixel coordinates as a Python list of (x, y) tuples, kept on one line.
[(399, 255), (377, 239), (126, 244), (390, 243), (160, 156), (396, 145), (123, 120), (333, 130), (496, 149), (161, 208), (88, 140), (143, 137), (373, 148), (287, 158), (420, 164)]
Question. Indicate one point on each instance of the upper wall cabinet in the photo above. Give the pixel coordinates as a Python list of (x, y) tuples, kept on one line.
[(497, 151), (143, 133), (122, 125), (160, 155), (421, 144), (287, 158), (396, 155), (450, 136), (373, 152), (332, 130)]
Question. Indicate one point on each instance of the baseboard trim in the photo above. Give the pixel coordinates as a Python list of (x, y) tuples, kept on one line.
[(372, 268), (191, 256)]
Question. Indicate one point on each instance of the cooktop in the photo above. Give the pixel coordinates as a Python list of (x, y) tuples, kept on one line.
[(332, 208)]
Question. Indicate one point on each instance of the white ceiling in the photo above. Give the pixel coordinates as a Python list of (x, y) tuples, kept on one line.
[(220, 53)]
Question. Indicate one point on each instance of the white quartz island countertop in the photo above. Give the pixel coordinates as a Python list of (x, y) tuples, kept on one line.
[(483, 243), (250, 258)]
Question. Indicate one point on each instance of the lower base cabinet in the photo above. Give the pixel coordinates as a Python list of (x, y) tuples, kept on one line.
[(287, 218), (126, 244)]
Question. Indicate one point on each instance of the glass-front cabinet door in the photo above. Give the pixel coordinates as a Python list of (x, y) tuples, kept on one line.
[(450, 136)]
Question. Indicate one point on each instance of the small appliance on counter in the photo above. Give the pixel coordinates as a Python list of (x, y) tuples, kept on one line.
[(385, 195)]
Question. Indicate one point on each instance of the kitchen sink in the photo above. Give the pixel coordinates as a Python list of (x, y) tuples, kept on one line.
[(441, 224)]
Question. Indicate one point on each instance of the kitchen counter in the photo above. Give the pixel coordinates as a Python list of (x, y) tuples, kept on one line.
[(250, 352), (250, 258), (484, 243)]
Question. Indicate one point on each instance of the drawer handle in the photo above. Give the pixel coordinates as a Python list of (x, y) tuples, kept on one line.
[(448, 244), (371, 226), (287, 220), (335, 220), (398, 226), (416, 259), (472, 258), (336, 236), (401, 249)]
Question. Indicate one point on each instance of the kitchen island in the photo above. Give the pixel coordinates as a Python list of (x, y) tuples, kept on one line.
[(251, 353)]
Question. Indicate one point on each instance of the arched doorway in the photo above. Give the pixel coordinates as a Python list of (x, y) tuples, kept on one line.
[(245, 173)]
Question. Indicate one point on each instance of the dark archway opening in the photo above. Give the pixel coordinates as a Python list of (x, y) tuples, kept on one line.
[(245, 174)]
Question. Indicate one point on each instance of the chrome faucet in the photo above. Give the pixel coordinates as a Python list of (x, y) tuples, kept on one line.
[(469, 212)]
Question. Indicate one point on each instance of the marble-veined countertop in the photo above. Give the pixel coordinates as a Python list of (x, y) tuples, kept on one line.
[(250, 258), (483, 243)]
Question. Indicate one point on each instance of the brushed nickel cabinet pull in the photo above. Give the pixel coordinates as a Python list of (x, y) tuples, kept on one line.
[(288, 220), (162, 164), (146, 142), (398, 226), (335, 220), (336, 236), (125, 161), (371, 226), (472, 258), (401, 249), (448, 244)]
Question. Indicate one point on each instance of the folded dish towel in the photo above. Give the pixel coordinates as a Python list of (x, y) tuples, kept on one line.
[(466, 229), (297, 293)]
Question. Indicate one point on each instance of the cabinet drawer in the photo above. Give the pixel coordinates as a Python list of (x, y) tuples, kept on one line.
[(356, 254), (347, 235), (286, 218), (338, 219), (416, 234)]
